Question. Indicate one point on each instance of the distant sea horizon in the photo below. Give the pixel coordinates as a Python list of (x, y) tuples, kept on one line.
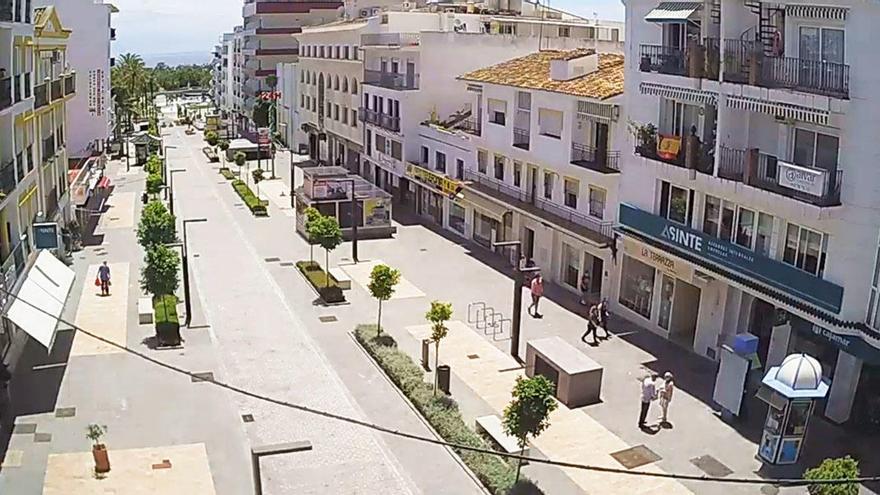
[(177, 58)]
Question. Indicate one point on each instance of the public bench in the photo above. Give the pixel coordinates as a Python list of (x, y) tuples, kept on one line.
[(342, 278), (145, 310)]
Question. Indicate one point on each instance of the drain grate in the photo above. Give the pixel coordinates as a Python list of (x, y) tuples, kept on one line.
[(65, 412), (42, 437), (202, 377), (272, 260), (423, 250), (287, 263), (196, 255), (327, 319), (473, 356), (634, 457), (711, 466), (25, 428), (114, 218), (247, 418)]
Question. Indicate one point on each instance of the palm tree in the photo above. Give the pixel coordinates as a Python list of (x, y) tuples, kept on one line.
[(131, 74)]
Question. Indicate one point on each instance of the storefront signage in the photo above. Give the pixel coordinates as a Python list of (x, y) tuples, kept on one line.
[(776, 274), (445, 185), (326, 189), (808, 180), (850, 344), (657, 259), (46, 235)]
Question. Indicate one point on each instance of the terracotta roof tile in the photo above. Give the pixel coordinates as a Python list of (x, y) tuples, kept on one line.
[(533, 72)]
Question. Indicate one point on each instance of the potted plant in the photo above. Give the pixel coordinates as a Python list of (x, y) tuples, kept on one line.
[(95, 432)]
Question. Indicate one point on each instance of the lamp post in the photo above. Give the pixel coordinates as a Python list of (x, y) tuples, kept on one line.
[(171, 188), (187, 303), (516, 319), (165, 158), (354, 222)]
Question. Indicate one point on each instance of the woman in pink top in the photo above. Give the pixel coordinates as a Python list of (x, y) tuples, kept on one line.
[(666, 395), (537, 291)]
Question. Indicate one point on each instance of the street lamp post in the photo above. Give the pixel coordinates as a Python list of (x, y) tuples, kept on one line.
[(167, 161), (354, 222), (516, 319), (187, 302), (171, 188)]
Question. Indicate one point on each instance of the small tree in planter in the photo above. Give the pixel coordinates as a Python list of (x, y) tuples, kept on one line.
[(223, 145), (154, 184), (95, 432), (157, 225), (438, 315), (311, 214), (528, 413), (212, 138), (240, 159), (326, 232), (258, 177), (159, 274), (842, 468), (383, 278)]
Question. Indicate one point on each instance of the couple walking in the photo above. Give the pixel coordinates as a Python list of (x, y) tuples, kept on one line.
[(597, 318), (650, 393)]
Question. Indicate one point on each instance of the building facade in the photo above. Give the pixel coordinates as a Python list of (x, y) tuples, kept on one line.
[(747, 198)]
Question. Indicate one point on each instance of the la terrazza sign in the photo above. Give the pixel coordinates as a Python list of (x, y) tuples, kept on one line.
[(444, 184)]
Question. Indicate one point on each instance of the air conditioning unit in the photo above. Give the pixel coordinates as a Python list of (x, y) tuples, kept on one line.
[(365, 13), (408, 5)]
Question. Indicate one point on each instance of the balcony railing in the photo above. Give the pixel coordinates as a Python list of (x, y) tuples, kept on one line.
[(7, 178), (57, 89), (593, 158), (390, 39), (41, 95), (549, 211), (48, 148), (382, 120), (16, 88), (5, 93), (69, 84), (20, 165), (521, 138), (391, 80), (27, 85), (29, 156), (745, 63), (679, 151), (662, 59), (815, 186), (471, 126)]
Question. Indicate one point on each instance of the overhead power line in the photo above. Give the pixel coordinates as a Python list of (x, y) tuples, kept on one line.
[(434, 441)]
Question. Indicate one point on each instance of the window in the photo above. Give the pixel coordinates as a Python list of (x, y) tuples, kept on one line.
[(369, 141), (302, 77), (499, 167), (764, 234), (302, 101), (396, 149), (564, 32), (711, 216), (440, 162), (335, 112), (637, 286), (821, 44), (354, 52), (675, 203), (329, 80), (550, 123), (459, 168), (745, 227), (497, 110), (814, 149), (482, 161), (677, 118), (345, 84), (344, 115), (805, 249), (354, 86), (336, 82), (548, 185), (506, 29), (873, 318), (425, 153), (336, 51), (571, 187), (517, 173), (380, 143), (597, 202), (345, 51), (456, 217), (354, 118)]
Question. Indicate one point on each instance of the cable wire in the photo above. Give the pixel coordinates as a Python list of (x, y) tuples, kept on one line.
[(435, 441)]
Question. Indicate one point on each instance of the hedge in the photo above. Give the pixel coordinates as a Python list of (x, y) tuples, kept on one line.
[(257, 207), (166, 320), (227, 174), (441, 411), (318, 278)]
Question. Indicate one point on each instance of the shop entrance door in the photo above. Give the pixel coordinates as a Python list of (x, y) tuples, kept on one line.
[(685, 307), (528, 243), (595, 267), (761, 326)]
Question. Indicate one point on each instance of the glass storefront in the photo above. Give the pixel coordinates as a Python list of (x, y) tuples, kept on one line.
[(570, 262), (667, 290), (483, 229), (457, 218), (637, 286)]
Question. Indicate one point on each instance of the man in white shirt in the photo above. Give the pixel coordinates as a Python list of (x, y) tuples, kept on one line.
[(649, 393)]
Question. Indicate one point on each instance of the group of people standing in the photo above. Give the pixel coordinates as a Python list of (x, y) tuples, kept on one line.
[(651, 392)]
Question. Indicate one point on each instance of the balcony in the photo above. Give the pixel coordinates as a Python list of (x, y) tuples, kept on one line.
[(699, 59), (521, 138), (16, 88), (7, 178), (69, 84), (470, 126), (275, 52), (690, 152), (591, 228), (390, 39), (816, 186), (57, 89), (382, 120), (287, 7), (5, 93), (6, 11), (277, 30), (390, 80), (27, 85), (589, 157), (746, 63)]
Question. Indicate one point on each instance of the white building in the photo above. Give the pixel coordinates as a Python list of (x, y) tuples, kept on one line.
[(749, 204), (224, 73), (88, 54)]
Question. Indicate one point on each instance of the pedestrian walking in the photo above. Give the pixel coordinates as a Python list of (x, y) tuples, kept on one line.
[(666, 396), (602, 315), (103, 279), (537, 289), (592, 322), (6, 419), (585, 288), (649, 394)]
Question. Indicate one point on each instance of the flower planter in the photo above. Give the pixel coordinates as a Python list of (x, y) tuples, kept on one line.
[(102, 459)]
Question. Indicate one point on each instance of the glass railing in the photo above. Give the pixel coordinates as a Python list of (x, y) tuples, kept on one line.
[(5, 93), (41, 95), (69, 84)]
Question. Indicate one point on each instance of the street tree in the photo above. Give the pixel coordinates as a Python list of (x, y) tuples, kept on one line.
[(154, 184), (528, 413), (240, 159), (157, 225), (327, 233), (159, 274), (439, 313), (834, 469), (312, 214), (383, 279), (223, 145), (211, 138), (258, 177)]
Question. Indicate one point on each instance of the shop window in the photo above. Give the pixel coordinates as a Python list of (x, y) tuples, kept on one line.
[(499, 167), (764, 234), (675, 203), (456, 217), (597, 202), (667, 291), (548, 185), (440, 162), (805, 249), (570, 264), (745, 227), (571, 187), (637, 286), (517, 173), (482, 161)]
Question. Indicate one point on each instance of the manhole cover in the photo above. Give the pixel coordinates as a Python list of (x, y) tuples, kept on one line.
[(65, 412), (272, 260), (42, 437), (114, 218), (423, 250), (25, 428), (327, 319), (473, 356), (202, 377), (287, 263), (634, 457), (711, 466), (247, 418), (196, 255)]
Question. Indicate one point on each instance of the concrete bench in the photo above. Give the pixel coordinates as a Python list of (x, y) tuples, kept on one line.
[(342, 278), (578, 378), (145, 310), (491, 425)]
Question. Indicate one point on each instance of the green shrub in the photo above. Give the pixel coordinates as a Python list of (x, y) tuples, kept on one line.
[(227, 174), (441, 411), (211, 138), (257, 207), (328, 289), (154, 183), (166, 320), (830, 469)]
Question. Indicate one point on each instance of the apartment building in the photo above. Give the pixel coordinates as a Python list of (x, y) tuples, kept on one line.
[(34, 91), (267, 42), (88, 55), (748, 198)]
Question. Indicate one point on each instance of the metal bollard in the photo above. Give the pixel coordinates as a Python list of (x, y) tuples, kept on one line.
[(426, 354)]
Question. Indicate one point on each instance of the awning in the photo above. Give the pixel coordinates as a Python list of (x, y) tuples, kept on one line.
[(487, 206), (46, 286), (675, 12)]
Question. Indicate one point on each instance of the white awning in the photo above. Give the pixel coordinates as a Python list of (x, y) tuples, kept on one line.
[(46, 286), (675, 12)]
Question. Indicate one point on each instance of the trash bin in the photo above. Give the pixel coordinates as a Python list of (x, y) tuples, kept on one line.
[(443, 378)]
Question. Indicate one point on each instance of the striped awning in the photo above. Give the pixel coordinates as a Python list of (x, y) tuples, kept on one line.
[(678, 93), (816, 12), (675, 12), (600, 111), (779, 109)]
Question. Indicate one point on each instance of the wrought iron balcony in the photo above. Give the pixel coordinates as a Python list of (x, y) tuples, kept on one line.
[(391, 80), (662, 59), (382, 120), (686, 152), (606, 162), (471, 126)]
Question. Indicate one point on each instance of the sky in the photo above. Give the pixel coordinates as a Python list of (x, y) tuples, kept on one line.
[(150, 27)]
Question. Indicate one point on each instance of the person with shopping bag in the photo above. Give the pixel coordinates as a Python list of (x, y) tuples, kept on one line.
[(103, 279)]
